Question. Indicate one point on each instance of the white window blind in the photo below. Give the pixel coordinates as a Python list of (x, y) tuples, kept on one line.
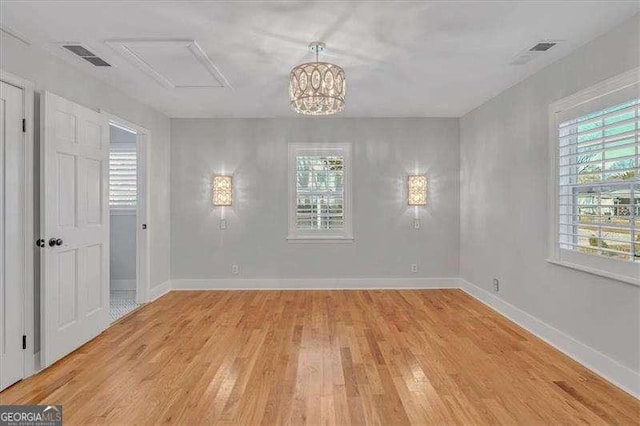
[(319, 192), (599, 186), (122, 176)]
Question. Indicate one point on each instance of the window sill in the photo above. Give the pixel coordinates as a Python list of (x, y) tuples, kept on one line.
[(320, 240), (122, 212), (595, 271)]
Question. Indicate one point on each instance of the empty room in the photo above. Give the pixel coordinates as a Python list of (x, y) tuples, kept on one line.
[(319, 212)]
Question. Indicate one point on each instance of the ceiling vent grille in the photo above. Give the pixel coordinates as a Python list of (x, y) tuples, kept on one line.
[(542, 47), (86, 54), (533, 52)]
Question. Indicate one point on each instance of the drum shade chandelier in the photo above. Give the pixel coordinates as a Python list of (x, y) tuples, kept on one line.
[(317, 88)]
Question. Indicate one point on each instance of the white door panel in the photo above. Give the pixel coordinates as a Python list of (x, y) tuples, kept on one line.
[(93, 203), (64, 269), (75, 284), (12, 149)]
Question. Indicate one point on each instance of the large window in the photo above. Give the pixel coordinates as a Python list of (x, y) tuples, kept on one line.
[(319, 191), (598, 181)]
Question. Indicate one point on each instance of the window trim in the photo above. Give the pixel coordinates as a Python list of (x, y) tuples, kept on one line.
[(122, 212), (623, 271), (320, 236)]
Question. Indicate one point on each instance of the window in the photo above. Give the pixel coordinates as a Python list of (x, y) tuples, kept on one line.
[(599, 194), (319, 191), (597, 173), (122, 176)]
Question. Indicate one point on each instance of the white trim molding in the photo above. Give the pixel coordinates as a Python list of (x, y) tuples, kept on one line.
[(320, 240), (601, 272), (618, 374), (613, 84), (159, 291), (122, 212), (127, 48), (313, 283)]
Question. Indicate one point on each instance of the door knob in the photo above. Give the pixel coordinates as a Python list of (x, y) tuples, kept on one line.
[(40, 242), (55, 242)]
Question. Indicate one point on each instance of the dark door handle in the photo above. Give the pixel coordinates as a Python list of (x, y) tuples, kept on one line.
[(40, 242), (55, 242)]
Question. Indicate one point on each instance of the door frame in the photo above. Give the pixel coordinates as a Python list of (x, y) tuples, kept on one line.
[(31, 364), (143, 253)]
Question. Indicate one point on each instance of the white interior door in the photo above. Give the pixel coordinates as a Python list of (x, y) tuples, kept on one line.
[(75, 226), (12, 268)]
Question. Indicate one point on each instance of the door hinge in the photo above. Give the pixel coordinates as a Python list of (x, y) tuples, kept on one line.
[(24, 342), (24, 125)]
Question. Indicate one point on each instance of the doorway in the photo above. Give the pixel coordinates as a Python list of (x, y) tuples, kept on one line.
[(16, 229), (123, 206), (75, 224), (11, 239)]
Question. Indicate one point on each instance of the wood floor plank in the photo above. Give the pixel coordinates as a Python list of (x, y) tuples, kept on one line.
[(322, 357)]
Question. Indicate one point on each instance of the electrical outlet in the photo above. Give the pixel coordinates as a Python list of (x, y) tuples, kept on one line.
[(235, 269), (416, 223), (223, 223), (414, 268), (496, 285)]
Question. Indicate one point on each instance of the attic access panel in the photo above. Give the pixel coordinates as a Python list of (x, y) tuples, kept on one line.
[(175, 64)]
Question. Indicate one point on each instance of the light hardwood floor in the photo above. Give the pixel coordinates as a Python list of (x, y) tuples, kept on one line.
[(322, 357)]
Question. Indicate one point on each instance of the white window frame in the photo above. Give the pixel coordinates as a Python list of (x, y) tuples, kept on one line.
[(624, 271), (321, 236)]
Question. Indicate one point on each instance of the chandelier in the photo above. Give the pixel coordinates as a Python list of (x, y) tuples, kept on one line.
[(317, 88)]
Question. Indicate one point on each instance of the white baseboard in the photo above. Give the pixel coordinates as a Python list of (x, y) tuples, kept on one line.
[(159, 290), (123, 285), (621, 376), (313, 283)]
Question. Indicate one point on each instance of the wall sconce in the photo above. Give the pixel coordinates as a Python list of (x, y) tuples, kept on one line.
[(222, 191), (417, 190)]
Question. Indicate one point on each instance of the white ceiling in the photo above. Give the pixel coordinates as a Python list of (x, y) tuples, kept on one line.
[(402, 59)]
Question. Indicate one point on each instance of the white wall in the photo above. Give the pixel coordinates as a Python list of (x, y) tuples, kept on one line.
[(123, 251), (255, 151), (51, 74), (504, 207)]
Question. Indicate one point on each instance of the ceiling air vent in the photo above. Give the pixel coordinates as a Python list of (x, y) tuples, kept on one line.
[(86, 54), (533, 52), (542, 47)]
